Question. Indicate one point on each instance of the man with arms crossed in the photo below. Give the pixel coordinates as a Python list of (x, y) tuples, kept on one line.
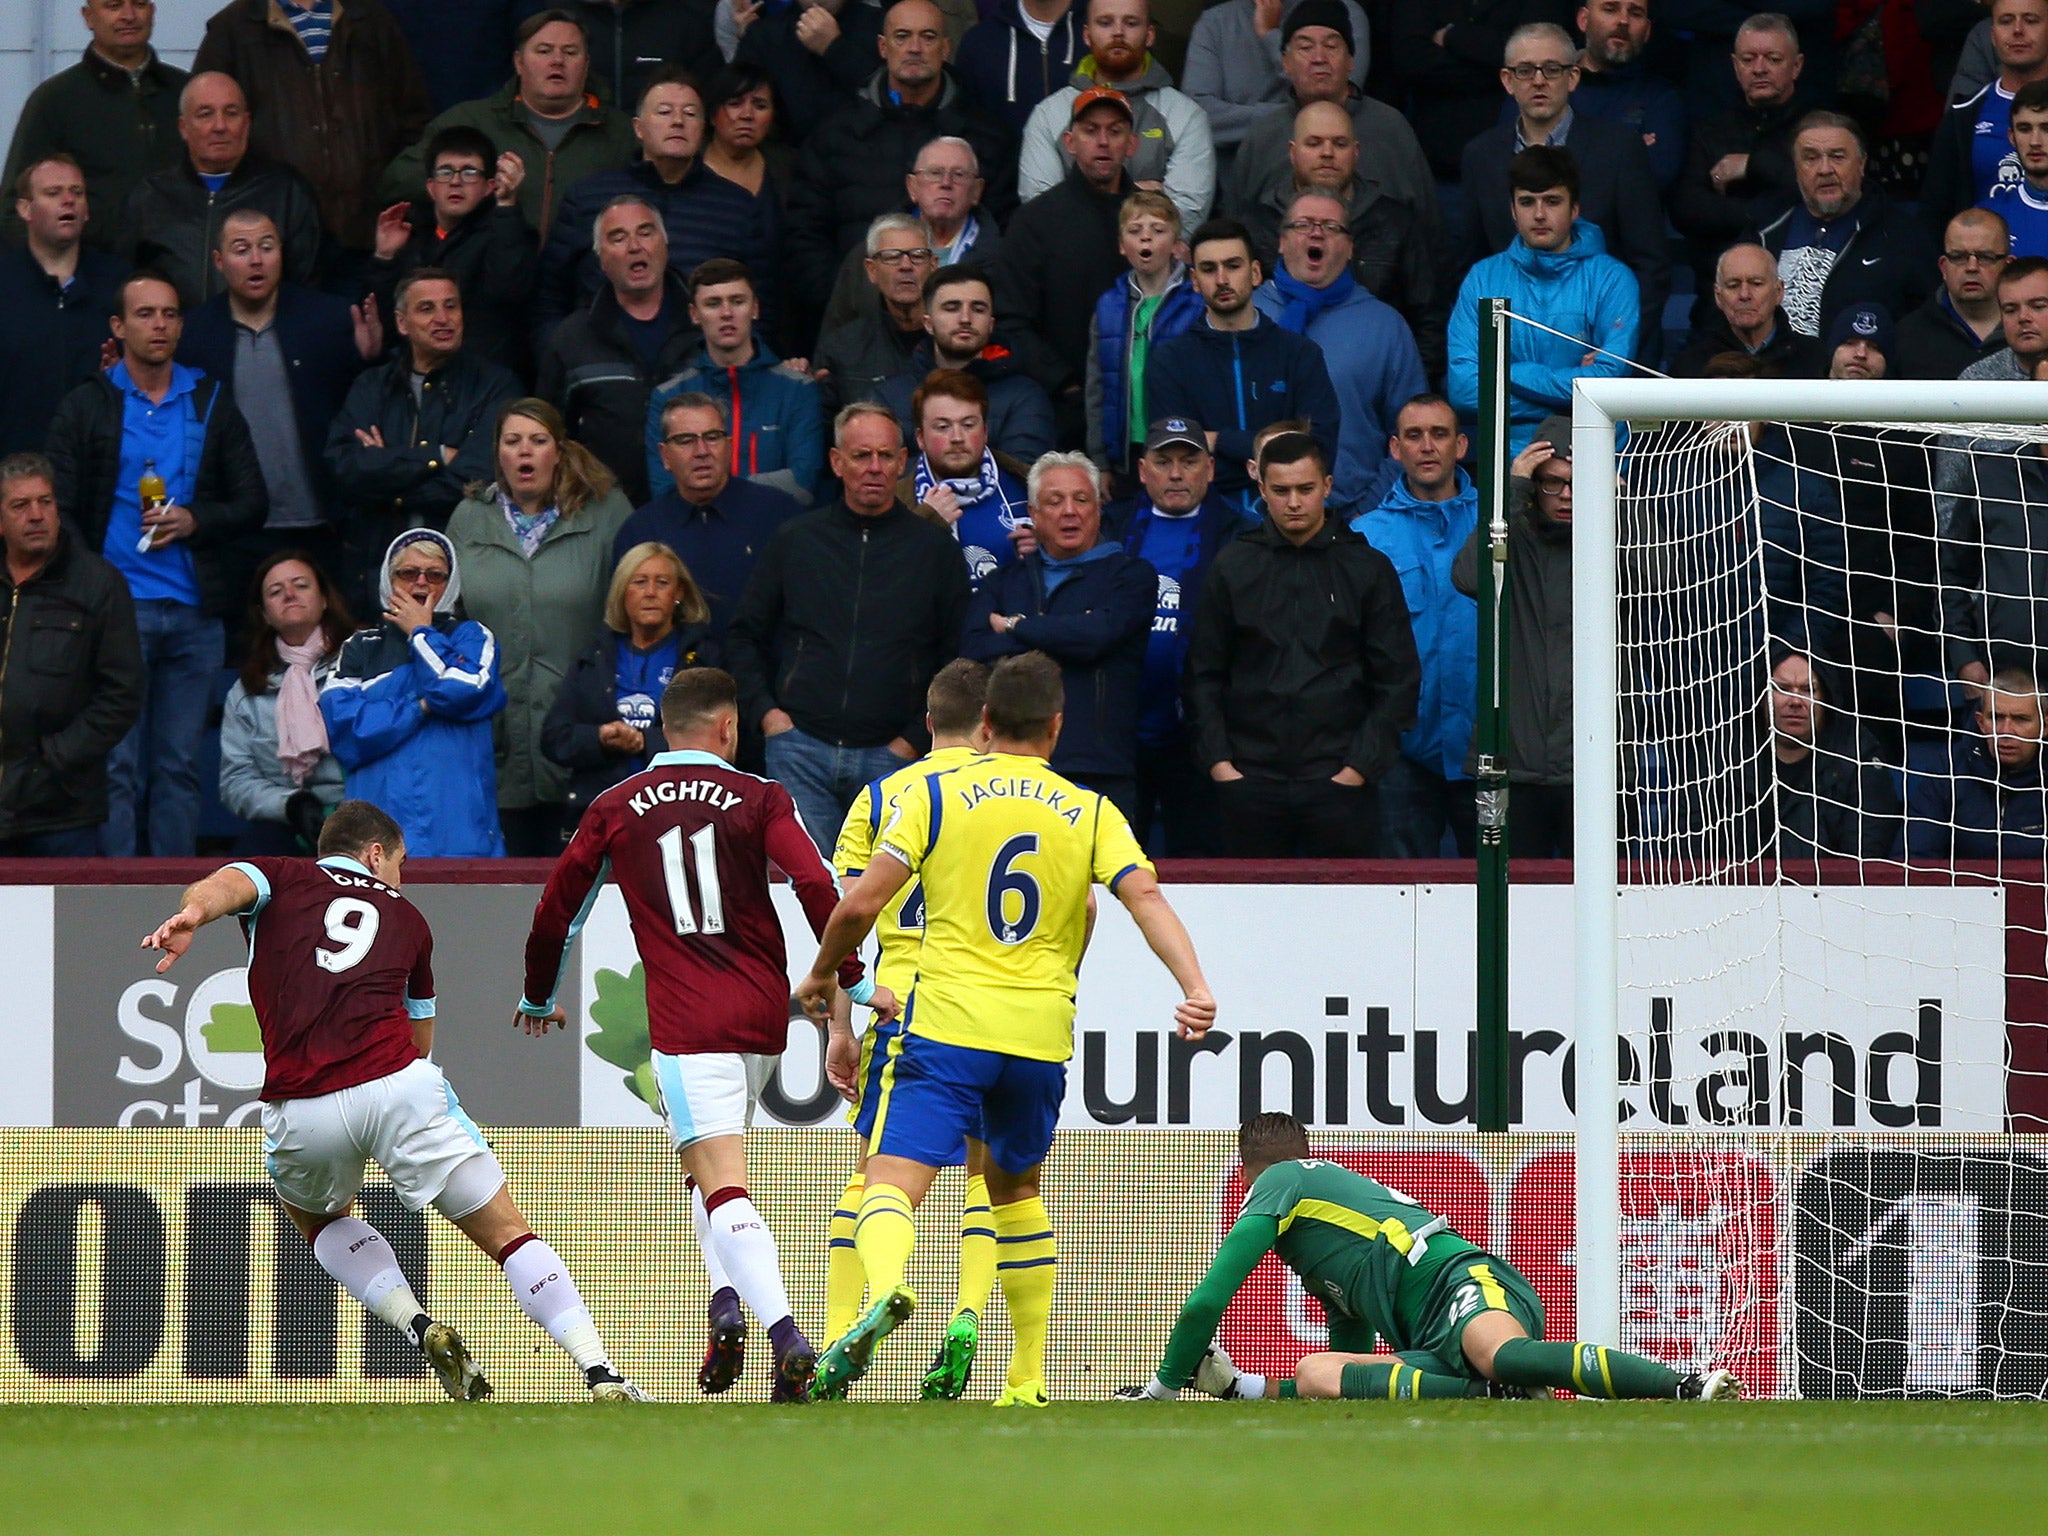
[(689, 842), (1007, 852), (953, 712), (347, 1077)]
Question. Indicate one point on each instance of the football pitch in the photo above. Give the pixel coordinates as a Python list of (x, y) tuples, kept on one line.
[(946, 1468)]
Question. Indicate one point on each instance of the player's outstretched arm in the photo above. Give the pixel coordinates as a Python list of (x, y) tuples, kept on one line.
[(1168, 938), (851, 921), (1244, 1245), (221, 893)]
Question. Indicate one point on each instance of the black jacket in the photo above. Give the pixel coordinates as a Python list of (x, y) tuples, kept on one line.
[(1712, 221), (809, 86), (596, 377), (70, 687), (60, 329), (1617, 191), (1839, 802), (859, 356), (1934, 343), (405, 483), (1455, 84), (228, 499), (629, 43), (1539, 640), (1303, 661), (844, 621), (589, 700), (1059, 254), (1096, 624), (174, 220), (1950, 183), (1787, 354), (1887, 260), (119, 130), (318, 338), (853, 168), (491, 256)]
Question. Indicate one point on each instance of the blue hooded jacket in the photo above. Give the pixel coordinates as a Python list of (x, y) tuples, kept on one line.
[(774, 416), (1422, 539), (1581, 291), (1235, 382), (409, 717), (1179, 311), (1375, 368)]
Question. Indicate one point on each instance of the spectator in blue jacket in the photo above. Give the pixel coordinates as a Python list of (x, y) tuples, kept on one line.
[(409, 707), (1153, 302), (1089, 605), (1420, 525), (718, 522), (959, 480), (289, 355), (1556, 272), (1236, 371), (705, 215), (1371, 354), (1983, 797), (960, 324), (1175, 524), (1023, 52), (775, 425), (1615, 87)]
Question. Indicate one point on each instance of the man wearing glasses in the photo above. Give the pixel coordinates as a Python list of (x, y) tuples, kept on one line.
[(718, 522), (944, 188), (1958, 326), (1617, 188), (854, 358)]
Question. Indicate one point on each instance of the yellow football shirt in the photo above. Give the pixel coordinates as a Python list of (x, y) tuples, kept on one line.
[(900, 929), (1005, 850)]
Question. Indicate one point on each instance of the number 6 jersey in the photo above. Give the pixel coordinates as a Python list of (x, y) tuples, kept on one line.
[(689, 842), (340, 965)]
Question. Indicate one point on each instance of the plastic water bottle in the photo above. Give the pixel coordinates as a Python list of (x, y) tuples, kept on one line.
[(151, 494)]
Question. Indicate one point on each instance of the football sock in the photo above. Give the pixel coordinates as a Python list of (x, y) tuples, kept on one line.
[(714, 1271), (1249, 1385), (1288, 1388), (541, 1284), (1591, 1370), (845, 1280), (362, 1263), (1027, 1268), (977, 1249), (884, 1235), (1400, 1381), (746, 1251)]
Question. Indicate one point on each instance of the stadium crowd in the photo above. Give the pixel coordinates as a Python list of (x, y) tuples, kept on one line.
[(402, 397)]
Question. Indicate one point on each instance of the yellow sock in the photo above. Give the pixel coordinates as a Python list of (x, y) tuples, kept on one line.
[(977, 1249), (845, 1280), (884, 1235), (1027, 1268)]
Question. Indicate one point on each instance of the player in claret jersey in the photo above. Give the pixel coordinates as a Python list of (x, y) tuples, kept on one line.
[(1456, 1321), (341, 978), (689, 843)]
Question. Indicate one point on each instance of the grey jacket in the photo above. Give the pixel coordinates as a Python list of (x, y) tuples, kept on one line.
[(253, 783), (1539, 639), (1174, 146), (543, 611), (1234, 75), (1991, 520)]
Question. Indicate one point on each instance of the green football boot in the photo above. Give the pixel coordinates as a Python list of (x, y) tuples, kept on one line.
[(847, 1360), (950, 1372)]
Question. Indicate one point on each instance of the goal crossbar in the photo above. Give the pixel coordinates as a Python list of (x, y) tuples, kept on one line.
[(1598, 406)]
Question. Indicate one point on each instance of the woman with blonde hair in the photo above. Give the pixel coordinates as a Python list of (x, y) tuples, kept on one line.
[(535, 545), (606, 724)]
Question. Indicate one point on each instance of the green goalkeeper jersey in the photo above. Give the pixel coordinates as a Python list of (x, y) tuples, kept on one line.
[(1367, 1252)]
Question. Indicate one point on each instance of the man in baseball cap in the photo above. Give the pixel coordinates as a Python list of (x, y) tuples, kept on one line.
[(1860, 342)]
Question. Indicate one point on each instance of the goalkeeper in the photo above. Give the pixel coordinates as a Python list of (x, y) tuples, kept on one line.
[(1459, 1322)]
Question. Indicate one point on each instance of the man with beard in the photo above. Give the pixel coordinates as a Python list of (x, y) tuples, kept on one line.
[(1614, 87), (959, 314)]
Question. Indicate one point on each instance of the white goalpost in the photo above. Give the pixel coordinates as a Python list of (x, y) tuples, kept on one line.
[(1796, 1099)]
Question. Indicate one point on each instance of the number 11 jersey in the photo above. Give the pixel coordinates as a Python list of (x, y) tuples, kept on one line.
[(689, 842), (340, 965)]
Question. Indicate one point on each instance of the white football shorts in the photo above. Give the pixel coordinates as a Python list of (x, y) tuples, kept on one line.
[(709, 1095), (410, 1122)]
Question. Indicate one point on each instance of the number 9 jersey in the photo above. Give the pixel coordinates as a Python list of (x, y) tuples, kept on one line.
[(1006, 850), (340, 965)]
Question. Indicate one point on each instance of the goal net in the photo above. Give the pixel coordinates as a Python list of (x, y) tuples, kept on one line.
[(1809, 882)]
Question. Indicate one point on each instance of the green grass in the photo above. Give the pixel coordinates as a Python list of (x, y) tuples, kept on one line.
[(1181, 1468)]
